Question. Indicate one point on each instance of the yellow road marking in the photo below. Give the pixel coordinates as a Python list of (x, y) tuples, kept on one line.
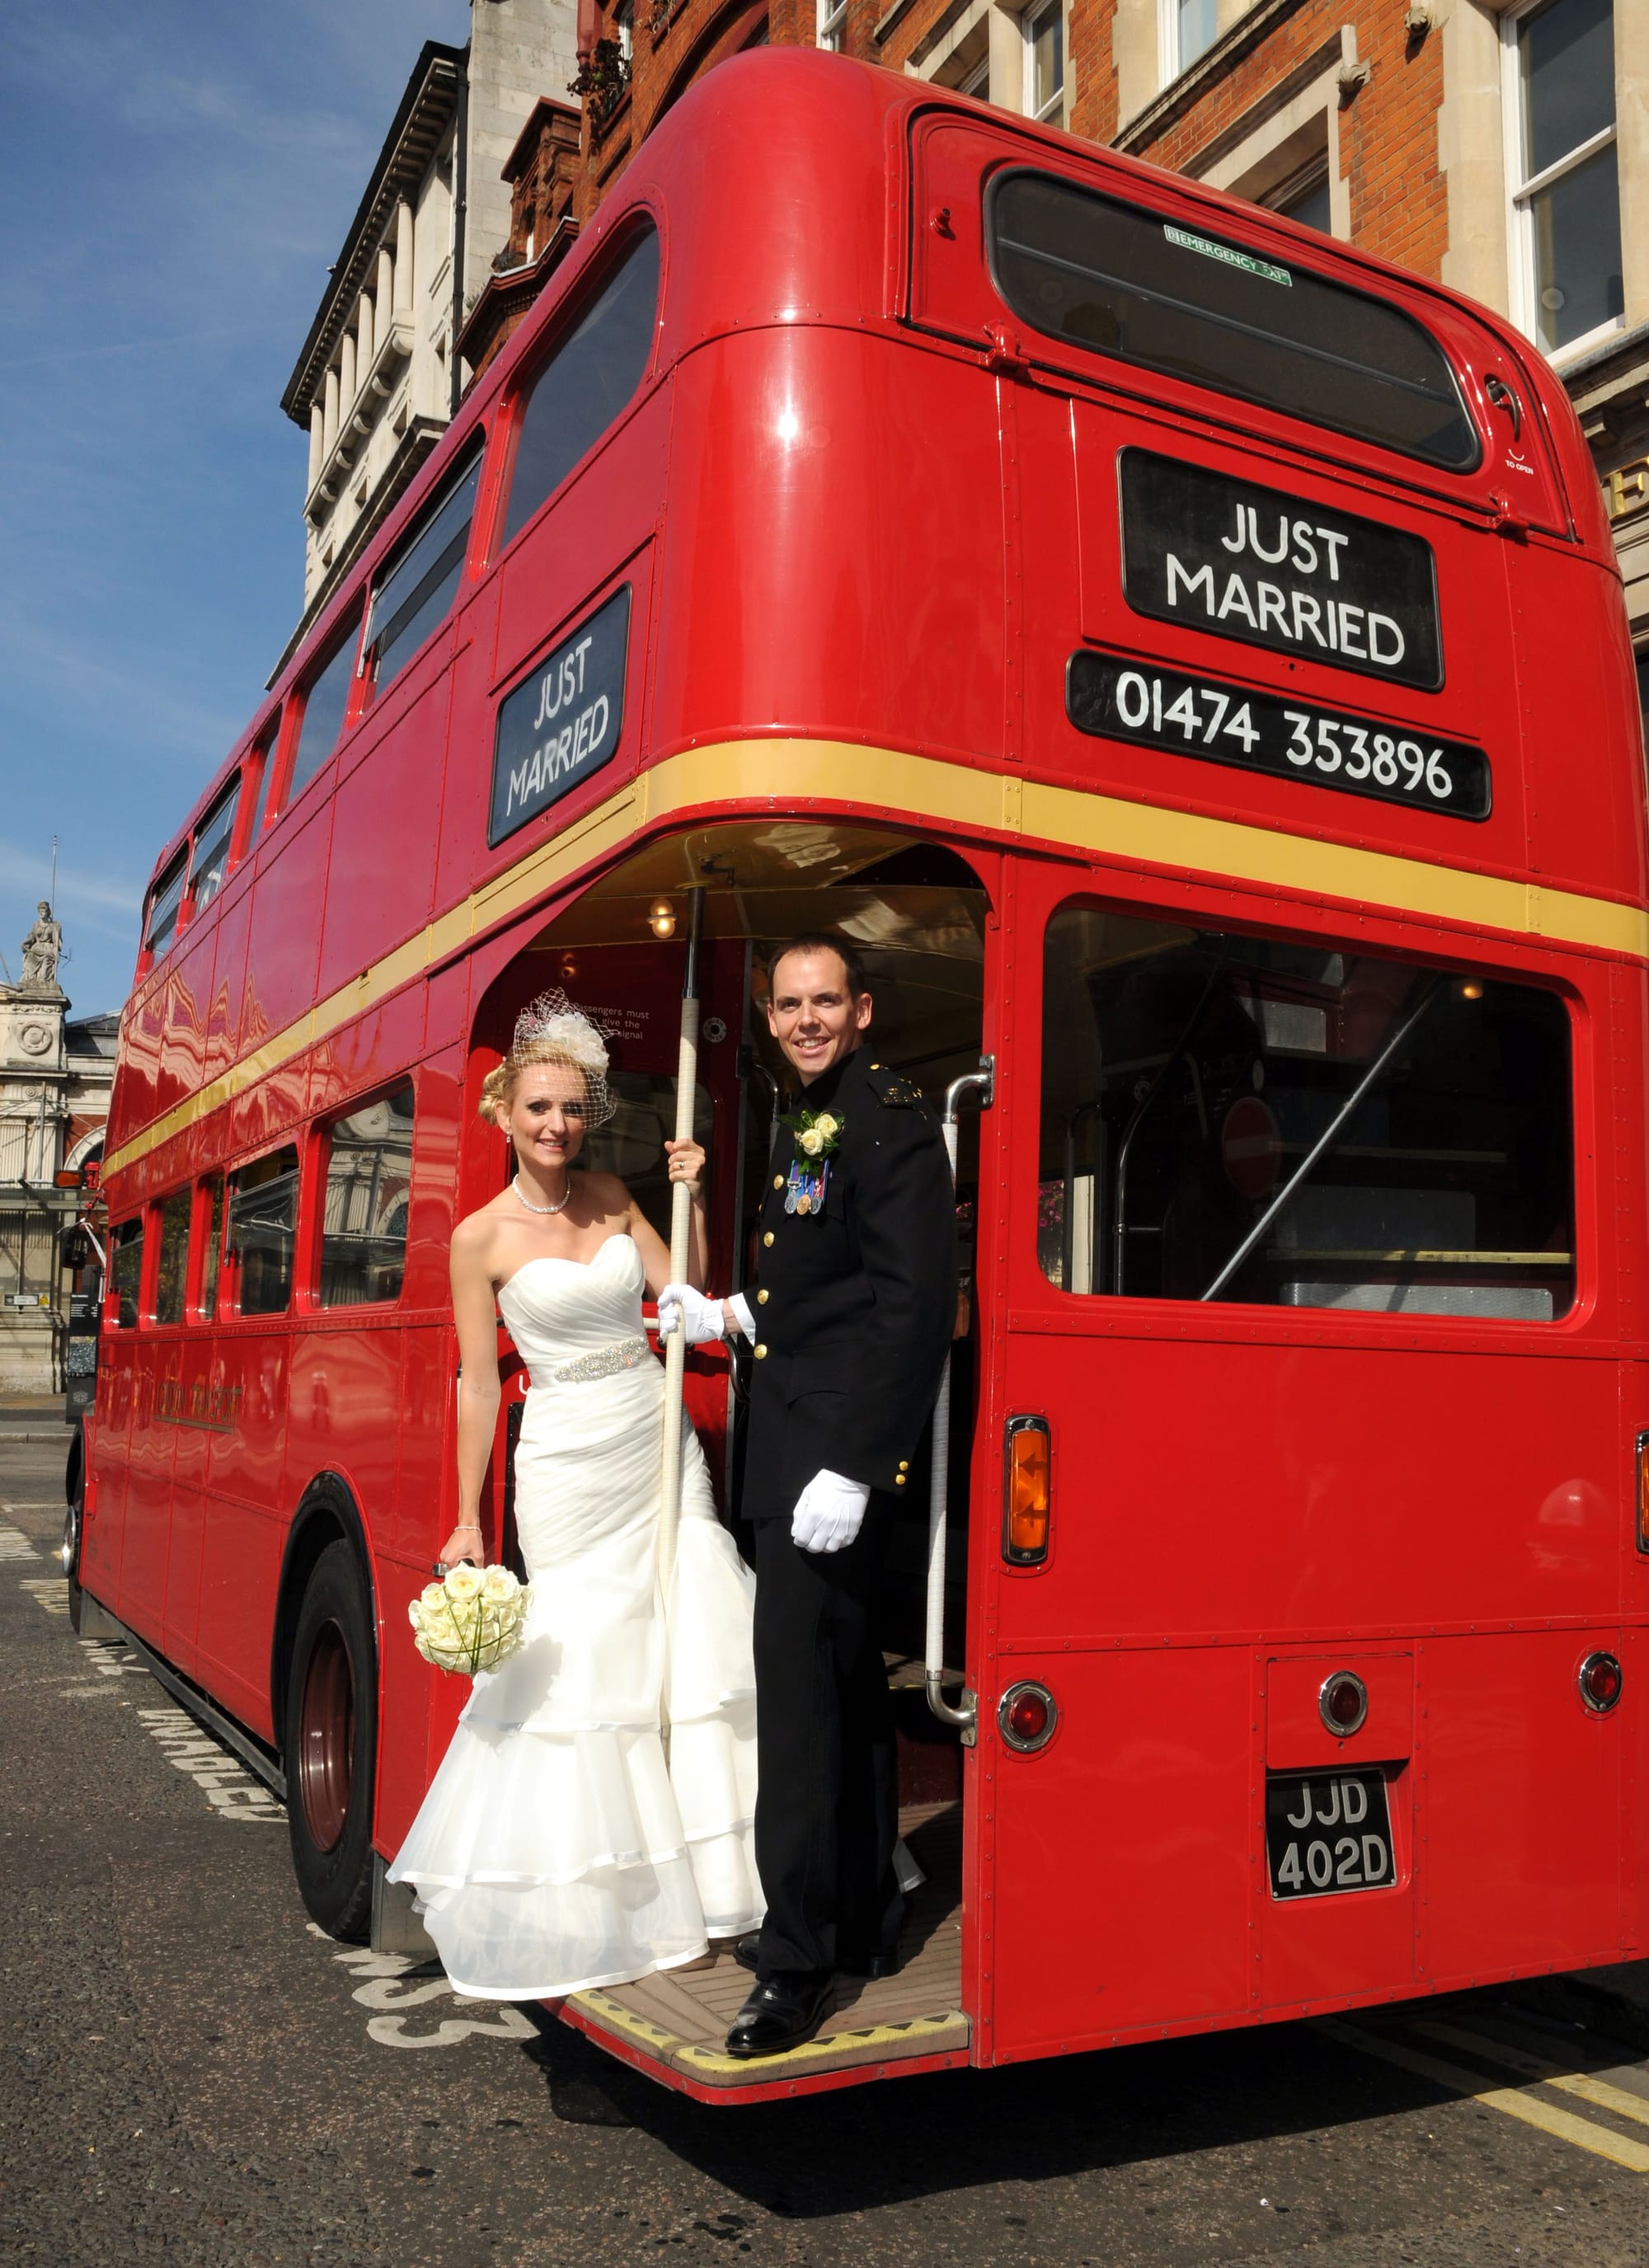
[(1584, 2132), (896, 786), (1617, 2099)]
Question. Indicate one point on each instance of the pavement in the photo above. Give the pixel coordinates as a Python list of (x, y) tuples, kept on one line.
[(192, 2077)]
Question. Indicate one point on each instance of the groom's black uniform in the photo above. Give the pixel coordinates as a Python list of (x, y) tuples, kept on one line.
[(853, 1305)]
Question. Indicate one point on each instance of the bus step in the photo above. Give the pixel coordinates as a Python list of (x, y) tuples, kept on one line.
[(673, 2026)]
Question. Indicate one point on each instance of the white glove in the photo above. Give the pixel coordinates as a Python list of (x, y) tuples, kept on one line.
[(829, 1512), (681, 1306)]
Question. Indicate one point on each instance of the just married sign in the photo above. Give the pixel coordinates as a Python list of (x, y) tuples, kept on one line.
[(562, 723)]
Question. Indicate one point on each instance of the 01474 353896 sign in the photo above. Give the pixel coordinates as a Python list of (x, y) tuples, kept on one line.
[(1113, 696)]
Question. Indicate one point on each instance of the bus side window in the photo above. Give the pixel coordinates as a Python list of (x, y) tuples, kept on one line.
[(325, 704), (413, 596), (1297, 1125), (263, 1232), (165, 905), (172, 1272), (212, 1218), (577, 395), (369, 1178), (212, 839), (126, 1271), (264, 754)]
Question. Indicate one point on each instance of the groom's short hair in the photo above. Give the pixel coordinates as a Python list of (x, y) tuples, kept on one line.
[(821, 941)]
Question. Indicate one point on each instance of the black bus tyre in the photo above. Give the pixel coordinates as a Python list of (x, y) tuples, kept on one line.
[(74, 1490), (331, 1745)]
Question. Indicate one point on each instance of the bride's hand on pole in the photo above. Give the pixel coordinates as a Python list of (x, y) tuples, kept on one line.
[(685, 1162)]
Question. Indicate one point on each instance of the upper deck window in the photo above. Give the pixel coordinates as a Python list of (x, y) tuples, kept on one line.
[(164, 905), (587, 381), (1129, 282), (414, 594), (324, 707), (212, 839)]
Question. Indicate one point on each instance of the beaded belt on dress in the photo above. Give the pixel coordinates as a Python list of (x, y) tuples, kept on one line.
[(628, 1354)]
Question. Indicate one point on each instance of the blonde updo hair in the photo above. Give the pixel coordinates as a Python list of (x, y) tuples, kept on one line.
[(552, 1031)]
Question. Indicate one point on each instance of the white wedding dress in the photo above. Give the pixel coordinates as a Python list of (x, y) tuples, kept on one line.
[(566, 1842)]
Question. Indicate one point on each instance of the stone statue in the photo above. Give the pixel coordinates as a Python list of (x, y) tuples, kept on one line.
[(42, 950)]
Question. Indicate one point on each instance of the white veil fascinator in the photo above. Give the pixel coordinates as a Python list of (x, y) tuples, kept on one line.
[(550, 1030)]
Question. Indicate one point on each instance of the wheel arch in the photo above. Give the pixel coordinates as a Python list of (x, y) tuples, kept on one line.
[(328, 1512)]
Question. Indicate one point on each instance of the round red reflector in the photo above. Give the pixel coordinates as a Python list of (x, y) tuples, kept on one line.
[(1601, 1682), (1027, 1716), (1343, 1702)]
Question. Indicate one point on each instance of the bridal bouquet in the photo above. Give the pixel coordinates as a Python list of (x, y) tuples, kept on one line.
[(470, 1620)]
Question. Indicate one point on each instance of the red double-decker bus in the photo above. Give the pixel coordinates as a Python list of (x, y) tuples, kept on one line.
[(1189, 658)]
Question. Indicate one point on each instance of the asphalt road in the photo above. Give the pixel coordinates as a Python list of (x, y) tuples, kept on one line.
[(192, 2075)]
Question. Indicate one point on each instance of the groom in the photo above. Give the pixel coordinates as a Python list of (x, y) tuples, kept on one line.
[(849, 1317)]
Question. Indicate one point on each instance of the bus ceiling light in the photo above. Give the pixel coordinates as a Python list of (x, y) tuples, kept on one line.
[(661, 918), (1600, 1680), (1027, 1716), (1471, 988), (1024, 1493), (1343, 1704)]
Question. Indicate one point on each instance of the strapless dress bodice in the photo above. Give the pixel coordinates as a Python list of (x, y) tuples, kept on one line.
[(559, 1311)]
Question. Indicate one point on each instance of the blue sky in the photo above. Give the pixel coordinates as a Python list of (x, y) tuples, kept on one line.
[(176, 176)]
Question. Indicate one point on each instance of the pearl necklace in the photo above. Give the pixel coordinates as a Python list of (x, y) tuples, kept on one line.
[(527, 1202)]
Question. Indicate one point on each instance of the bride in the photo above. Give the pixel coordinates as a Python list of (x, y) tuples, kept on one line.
[(591, 1820)]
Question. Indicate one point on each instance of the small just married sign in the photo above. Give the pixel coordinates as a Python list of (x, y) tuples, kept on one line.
[(562, 722)]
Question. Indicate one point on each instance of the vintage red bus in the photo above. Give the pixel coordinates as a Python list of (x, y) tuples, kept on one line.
[(1188, 656)]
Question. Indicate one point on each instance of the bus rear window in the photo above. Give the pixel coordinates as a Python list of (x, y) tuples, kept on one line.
[(1251, 1118), (1129, 282)]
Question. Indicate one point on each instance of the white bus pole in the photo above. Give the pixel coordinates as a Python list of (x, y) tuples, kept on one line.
[(681, 1250)]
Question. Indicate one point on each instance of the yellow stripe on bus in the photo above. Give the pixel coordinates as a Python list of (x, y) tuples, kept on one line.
[(925, 790)]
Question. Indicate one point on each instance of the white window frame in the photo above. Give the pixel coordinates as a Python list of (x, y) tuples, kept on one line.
[(829, 25), (1054, 108), (1169, 62), (1521, 194)]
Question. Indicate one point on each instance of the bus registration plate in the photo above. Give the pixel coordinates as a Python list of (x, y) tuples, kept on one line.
[(1116, 698), (1326, 1833)]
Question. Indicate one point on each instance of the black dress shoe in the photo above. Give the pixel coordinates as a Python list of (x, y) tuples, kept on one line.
[(872, 1966), (746, 1949), (780, 2014)]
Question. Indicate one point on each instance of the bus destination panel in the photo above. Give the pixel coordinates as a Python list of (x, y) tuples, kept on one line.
[(562, 723), (1117, 698), (1239, 561)]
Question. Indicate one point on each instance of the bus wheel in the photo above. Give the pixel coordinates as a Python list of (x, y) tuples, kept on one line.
[(331, 1724), (74, 1490)]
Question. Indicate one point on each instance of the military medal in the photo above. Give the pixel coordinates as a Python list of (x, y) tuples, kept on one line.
[(804, 1191)]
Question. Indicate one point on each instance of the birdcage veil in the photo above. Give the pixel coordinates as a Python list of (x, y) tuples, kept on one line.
[(550, 1030)]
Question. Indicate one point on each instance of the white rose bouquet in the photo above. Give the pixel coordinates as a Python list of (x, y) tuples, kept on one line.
[(470, 1620)]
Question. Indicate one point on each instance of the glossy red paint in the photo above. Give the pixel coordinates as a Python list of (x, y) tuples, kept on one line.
[(848, 513)]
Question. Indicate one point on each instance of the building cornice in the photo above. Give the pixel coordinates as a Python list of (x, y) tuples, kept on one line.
[(426, 109)]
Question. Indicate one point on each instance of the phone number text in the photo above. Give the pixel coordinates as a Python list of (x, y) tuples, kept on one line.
[(1223, 724)]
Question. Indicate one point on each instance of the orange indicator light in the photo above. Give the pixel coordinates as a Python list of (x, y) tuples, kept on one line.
[(1026, 1493)]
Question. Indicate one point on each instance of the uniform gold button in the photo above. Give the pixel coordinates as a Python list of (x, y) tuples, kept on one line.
[(904, 1464), (875, 1066), (761, 1354), (766, 1237), (778, 1181), (761, 1298), (899, 1480)]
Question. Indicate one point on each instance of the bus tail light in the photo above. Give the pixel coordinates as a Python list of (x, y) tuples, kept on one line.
[(1025, 1493), (1601, 1682), (1643, 1492), (1026, 1716)]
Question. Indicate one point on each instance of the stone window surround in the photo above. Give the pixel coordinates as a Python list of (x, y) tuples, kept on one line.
[(1285, 130), (1519, 245), (1005, 44)]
